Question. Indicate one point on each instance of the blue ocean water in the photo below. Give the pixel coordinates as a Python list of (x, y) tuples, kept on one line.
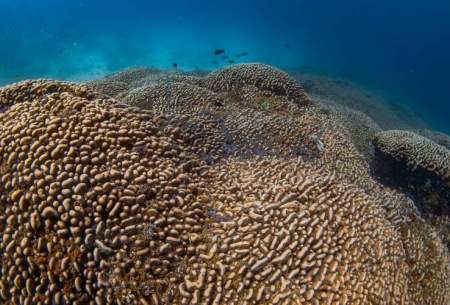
[(398, 47)]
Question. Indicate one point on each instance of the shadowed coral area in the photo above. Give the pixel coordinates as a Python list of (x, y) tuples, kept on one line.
[(233, 187), (420, 166), (416, 151)]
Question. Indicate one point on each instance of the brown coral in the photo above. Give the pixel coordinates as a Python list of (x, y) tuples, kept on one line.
[(412, 162), (108, 87), (263, 77), (168, 96), (103, 203), (131, 75), (286, 242), (417, 152), (118, 84), (31, 90), (89, 192), (253, 122), (361, 128)]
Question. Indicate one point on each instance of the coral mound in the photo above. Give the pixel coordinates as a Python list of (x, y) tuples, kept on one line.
[(415, 151), (105, 203), (108, 87), (169, 96), (119, 83), (28, 91), (419, 165), (263, 77), (77, 177), (131, 75), (361, 128)]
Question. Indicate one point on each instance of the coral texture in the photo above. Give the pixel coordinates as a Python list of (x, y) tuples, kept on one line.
[(261, 76), (361, 128), (422, 167), (170, 200), (415, 151)]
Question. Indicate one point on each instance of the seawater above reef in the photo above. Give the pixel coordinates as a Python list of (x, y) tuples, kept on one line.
[(230, 187), (398, 47)]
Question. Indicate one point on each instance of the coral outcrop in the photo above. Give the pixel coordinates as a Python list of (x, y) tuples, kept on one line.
[(263, 77), (119, 83), (360, 127), (78, 178), (420, 166), (416, 153), (237, 191)]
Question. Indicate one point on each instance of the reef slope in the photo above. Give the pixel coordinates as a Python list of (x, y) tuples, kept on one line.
[(230, 188)]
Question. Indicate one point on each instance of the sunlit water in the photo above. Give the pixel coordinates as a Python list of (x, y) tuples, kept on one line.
[(399, 48)]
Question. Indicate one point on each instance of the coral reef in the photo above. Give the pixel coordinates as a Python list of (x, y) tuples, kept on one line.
[(420, 166), (361, 127), (116, 83), (119, 83), (79, 176), (108, 87), (32, 90), (415, 152), (169, 96), (236, 189), (263, 77)]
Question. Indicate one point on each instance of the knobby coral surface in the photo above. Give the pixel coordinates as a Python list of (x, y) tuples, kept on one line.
[(207, 195), (360, 127), (416, 151), (422, 166)]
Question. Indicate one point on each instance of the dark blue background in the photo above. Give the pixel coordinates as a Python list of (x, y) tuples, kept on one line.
[(398, 47)]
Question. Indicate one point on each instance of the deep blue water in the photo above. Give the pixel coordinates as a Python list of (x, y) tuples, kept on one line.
[(399, 47)]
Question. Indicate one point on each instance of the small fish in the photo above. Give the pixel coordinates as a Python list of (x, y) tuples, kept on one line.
[(215, 62), (219, 51), (244, 54), (175, 65), (231, 61), (237, 55), (288, 45)]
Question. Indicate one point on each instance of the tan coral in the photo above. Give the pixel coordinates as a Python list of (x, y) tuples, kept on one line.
[(169, 97), (285, 240), (361, 128), (104, 203), (74, 219), (415, 163), (264, 77), (118, 84), (108, 87), (30, 90), (416, 151)]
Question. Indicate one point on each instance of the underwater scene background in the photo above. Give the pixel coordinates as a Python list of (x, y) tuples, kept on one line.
[(398, 49), (224, 153)]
